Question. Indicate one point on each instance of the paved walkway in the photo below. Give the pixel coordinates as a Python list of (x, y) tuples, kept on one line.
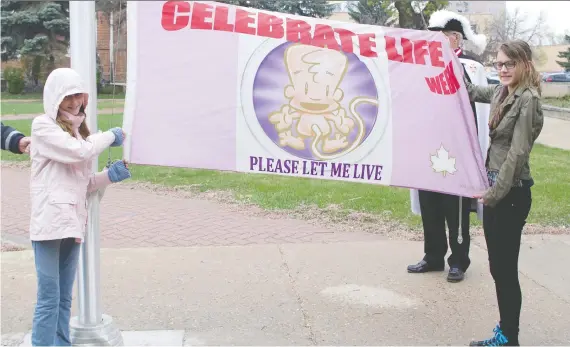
[(166, 280), (135, 218), (555, 133), (23, 101), (347, 294)]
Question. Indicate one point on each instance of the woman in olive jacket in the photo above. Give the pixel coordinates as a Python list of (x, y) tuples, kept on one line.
[(515, 122)]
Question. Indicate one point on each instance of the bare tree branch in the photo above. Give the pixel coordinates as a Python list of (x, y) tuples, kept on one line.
[(513, 26)]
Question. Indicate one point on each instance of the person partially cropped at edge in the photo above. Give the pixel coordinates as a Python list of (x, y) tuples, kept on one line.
[(516, 122), (437, 208), (61, 156), (14, 141)]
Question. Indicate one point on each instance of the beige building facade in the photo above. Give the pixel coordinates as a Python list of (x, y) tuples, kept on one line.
[(341, 12), (546, 57), (479, 13)]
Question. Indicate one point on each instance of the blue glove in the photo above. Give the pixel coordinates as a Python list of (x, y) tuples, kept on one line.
[(118, 172), (118, 132)]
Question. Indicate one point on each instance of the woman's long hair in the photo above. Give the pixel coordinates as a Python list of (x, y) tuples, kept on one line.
[(65, 125), (520, 52)]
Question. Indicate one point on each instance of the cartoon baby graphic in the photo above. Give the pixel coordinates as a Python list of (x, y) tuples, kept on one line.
[(314, 109)]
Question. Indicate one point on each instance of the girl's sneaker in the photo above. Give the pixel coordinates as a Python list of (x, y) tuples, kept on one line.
[(499, 339)]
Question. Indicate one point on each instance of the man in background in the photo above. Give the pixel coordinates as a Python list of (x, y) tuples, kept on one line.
[(437, 208)]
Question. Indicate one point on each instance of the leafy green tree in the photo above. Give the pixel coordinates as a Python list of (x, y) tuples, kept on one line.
[(307, 8), (37, 32), (565, 55), (416, 14), (373, 12)]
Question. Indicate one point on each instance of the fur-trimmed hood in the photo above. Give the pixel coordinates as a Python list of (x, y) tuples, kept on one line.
[(447, 20)]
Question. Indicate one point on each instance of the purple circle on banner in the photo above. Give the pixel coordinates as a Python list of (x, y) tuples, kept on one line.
[(269, 86)]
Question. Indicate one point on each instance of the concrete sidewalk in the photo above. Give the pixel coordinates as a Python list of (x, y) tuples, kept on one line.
[(347, 293), (555, 133)]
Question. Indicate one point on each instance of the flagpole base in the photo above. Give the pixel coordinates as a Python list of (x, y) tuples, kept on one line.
[(103, 334)]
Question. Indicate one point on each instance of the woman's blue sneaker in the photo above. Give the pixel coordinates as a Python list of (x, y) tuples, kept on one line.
[(499, 339)]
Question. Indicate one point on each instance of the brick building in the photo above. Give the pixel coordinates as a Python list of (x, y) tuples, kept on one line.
[(112, 39)]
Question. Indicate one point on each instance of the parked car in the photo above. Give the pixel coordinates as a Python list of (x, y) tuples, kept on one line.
[(557, 77), (493, 78), (543, 75)]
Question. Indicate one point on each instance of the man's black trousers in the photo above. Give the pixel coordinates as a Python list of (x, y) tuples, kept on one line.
[(437, 209)]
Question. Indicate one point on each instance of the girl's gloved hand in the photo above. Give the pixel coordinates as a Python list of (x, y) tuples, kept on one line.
[(118, 171), (119, 136)]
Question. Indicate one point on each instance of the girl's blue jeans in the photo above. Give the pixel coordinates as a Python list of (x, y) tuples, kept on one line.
[(56, 265)]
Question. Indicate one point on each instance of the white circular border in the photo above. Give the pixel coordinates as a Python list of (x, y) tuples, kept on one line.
[(248, 110)]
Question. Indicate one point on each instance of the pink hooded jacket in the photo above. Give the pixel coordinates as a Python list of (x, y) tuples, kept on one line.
[(61, 165)]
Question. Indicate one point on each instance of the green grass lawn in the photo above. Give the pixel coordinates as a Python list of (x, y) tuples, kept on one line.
[(17, 108), (563, 102), (550, 168), (8, 96)]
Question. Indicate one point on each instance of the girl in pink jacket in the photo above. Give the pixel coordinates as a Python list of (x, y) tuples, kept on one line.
[(62, 153)]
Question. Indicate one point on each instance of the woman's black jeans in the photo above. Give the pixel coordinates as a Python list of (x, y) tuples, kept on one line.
[(503, 225)]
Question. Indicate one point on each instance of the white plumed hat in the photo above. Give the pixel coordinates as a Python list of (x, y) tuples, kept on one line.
[(447, 20)]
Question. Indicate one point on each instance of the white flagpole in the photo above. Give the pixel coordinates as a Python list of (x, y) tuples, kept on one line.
[(90, 327)]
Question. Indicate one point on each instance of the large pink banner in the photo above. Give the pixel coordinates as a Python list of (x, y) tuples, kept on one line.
[(222, 87)]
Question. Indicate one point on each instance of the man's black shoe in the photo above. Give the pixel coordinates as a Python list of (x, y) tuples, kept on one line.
[(424, 266), (455, 275)]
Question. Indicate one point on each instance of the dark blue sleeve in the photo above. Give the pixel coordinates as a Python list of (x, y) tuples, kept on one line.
[(11, 138)]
